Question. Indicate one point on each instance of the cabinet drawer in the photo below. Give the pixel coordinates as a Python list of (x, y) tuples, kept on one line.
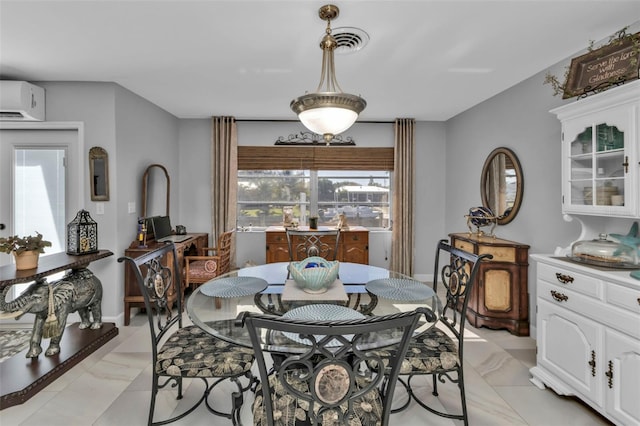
[(500, 254), (572, 280), (464, 245), (623, 297), (276, 238), (355, 237)]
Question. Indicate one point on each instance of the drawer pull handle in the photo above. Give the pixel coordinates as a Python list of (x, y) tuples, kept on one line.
[(559, 296), (609, 374), (564, 279), (638, 300), (626, 164), (592, 363)]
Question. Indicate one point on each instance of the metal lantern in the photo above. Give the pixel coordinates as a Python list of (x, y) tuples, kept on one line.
[(82, 234)]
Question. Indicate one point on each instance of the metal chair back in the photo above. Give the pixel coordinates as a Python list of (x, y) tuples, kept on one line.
[(303, 244), (327, 370)]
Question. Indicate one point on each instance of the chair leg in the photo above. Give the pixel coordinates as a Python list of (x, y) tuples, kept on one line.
[(463, 398), (435, 386), (237, 397), (152, 403), (459, 382)]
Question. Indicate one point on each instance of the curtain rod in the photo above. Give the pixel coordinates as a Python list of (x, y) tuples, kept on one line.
[(298, 121)]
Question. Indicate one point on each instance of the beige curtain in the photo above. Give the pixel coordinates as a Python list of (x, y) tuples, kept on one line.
[(403, 197), (224, 177)]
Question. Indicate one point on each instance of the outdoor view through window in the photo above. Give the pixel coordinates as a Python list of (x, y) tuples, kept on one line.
[(363, 196)]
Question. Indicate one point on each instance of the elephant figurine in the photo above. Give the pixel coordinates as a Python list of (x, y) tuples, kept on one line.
[(79, 290)]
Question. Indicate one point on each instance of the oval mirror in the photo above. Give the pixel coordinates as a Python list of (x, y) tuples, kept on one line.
[(502, 184), (156, 187)]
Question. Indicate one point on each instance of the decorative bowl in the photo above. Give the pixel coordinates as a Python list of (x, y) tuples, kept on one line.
[(314, 274)]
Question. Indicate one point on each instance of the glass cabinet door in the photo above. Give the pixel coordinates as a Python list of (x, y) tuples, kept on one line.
[(597, 171)]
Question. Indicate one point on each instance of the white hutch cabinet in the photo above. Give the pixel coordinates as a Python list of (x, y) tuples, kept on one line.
[(601, 153), (588, 318), (588, 336)]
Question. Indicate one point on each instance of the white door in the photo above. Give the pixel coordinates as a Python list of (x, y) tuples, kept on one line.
[(40, 190)]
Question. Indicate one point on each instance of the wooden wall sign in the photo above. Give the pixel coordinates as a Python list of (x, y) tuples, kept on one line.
[(595, 71)]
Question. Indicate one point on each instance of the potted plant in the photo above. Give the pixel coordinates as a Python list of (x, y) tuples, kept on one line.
[(25, 249)]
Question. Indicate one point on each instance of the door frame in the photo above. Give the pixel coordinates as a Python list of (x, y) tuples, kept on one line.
[(76, 199)]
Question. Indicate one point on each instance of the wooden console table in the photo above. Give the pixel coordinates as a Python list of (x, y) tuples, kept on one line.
[(23, 377), (353, 247), (132, 295)]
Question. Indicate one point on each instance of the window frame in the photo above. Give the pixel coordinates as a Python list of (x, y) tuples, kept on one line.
[(315, 159)]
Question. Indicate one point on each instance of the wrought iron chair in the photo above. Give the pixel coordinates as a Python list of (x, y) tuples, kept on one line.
[(303, 244), (204, 267), (438, 351), (184, 352), (319, 374)]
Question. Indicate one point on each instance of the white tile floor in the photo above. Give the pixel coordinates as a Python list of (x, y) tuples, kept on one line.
[(111, 387)]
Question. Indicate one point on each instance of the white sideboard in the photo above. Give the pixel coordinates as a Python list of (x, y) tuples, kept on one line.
[(588, 336)]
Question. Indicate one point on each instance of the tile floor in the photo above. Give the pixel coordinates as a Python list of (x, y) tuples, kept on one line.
[(111, 387)]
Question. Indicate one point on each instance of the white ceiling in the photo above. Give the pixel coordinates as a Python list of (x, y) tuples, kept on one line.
[(425, 59)]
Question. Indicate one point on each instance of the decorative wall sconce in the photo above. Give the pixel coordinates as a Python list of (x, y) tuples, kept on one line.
[(308, 138)]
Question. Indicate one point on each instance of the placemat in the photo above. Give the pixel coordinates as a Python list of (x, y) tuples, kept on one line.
[(320, 312), (335, 292), (233, 287), (399, 289)]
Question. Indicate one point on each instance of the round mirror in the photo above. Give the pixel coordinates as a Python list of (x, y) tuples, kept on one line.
[(502, 184)]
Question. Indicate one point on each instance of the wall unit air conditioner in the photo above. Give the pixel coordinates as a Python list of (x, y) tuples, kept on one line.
[(21, 101)]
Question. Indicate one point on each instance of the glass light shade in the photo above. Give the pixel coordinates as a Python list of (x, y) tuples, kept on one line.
[(328, 120)]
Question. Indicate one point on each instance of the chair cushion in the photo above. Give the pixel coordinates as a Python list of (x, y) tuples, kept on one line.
[(291, 411), (429, 352), (203, 269), (191, 352)]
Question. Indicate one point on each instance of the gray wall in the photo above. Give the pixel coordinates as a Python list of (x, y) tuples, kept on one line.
[(135, 133)]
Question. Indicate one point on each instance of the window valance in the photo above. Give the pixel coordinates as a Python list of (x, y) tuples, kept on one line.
[(314, 158)]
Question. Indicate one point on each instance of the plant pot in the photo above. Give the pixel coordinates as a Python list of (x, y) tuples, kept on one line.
[(26, 260)]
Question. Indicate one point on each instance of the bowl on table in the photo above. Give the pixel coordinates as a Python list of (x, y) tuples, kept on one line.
[(314, 274)]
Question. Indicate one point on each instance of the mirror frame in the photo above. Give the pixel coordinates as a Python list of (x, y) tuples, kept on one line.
[(145, 181), (97, 153), (519, 185)]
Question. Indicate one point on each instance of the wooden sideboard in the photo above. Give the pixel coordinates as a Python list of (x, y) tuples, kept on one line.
[(353, 247), (132, 295), (499, 297)]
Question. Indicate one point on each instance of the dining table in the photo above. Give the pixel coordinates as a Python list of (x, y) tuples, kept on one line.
[(359, 292)]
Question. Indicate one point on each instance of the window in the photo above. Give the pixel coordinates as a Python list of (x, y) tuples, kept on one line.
[(325, 188)]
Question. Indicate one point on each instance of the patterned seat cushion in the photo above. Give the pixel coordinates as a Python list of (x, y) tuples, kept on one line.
[(428, 352), (203, 269), (191, 352), (291, 411)]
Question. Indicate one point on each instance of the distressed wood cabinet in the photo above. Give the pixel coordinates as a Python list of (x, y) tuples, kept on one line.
[(132, 296), (354, 245), (499, 297)]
